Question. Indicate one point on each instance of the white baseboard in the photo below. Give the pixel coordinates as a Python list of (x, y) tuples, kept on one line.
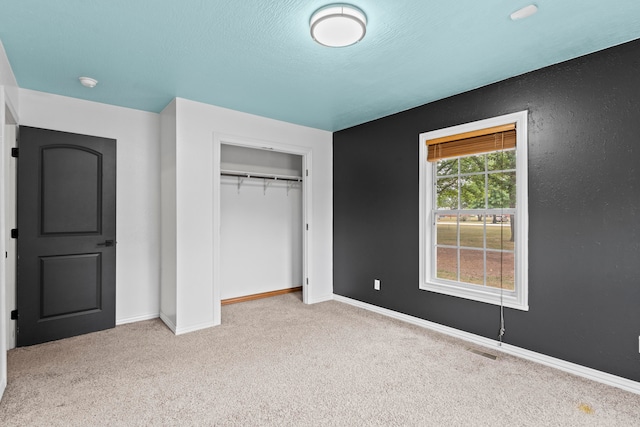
[(3, 386), (572, 368), (193, 328), (168, 322), (179, 331), (323, 298), (137, 319)]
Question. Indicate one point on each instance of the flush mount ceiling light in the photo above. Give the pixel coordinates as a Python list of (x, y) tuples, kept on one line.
[(524, 12), (338, 25), (88, 81)]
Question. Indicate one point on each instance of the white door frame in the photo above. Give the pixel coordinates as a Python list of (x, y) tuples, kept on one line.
[(8, 116), (10, 220), (306, 153)]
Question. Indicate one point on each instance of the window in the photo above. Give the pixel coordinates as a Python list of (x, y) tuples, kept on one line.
[(473, 211)]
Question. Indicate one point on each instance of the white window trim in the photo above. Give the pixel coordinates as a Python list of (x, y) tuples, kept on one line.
[(520, 298)]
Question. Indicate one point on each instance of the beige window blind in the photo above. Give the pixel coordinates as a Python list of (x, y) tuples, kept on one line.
[(479, 141)]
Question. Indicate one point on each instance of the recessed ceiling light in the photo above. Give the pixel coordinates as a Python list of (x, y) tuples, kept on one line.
[(338, 25), (88, 81), (525, 12)]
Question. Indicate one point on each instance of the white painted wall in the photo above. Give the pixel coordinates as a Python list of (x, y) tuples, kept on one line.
[(196, 124), (3, 248), (8, 107), (260, 237), (168, 255), (138, 188), (8, 81)]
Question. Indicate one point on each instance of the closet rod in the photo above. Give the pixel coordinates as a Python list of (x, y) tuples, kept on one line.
[(261, 176)]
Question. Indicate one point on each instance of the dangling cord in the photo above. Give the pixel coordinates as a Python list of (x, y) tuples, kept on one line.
[(502, 329), (501, 320)]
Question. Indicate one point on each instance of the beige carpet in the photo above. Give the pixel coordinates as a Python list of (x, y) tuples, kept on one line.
[(279, 362)]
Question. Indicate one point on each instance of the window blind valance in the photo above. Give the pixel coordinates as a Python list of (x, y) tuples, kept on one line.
[(479, 141)]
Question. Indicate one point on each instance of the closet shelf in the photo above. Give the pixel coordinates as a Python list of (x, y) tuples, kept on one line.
[(242, 174)]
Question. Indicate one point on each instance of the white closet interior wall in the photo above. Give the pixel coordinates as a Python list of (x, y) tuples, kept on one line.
[(261, 228)]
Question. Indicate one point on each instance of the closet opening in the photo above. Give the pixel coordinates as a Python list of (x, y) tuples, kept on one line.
[(261, 221)]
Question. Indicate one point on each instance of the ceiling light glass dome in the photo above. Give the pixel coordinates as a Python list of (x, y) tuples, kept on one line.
[(338, 25)]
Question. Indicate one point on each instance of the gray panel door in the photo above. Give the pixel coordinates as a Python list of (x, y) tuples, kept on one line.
[(66, 235)]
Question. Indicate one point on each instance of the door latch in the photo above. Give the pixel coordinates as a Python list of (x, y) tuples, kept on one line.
[(106, 243)]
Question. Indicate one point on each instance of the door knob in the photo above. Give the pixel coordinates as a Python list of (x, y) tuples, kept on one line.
[(107, 243)]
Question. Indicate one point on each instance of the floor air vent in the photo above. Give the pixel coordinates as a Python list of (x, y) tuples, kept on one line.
[(482, 353)]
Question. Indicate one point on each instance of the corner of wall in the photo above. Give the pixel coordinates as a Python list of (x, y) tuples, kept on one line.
[(168, 231), (8, 80)]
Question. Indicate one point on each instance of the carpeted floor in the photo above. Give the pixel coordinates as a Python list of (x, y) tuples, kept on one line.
[(279, 362)]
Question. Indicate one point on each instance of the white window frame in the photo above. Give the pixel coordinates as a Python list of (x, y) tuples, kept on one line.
[(518, 299)]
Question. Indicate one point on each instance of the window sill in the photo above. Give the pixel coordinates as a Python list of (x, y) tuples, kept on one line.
[(508, 300)]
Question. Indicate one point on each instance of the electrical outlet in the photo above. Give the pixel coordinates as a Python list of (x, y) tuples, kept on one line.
[(376, 284)]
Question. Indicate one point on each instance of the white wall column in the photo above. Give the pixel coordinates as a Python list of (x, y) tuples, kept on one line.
[(197, 286)]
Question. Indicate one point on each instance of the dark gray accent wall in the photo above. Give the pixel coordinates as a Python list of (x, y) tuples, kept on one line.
[(584, 210)]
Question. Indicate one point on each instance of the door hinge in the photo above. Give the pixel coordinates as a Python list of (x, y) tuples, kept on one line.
[(307, 227), (14, 233), (14, 315), (15, 151), (307, 172), (307, 280)]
